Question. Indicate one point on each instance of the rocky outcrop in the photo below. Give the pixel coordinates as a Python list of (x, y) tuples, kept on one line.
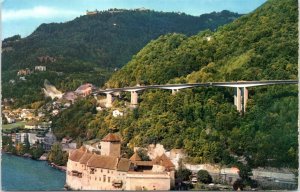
[(51, 91)]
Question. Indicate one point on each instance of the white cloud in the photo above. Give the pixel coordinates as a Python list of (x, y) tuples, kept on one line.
[(36, 13)]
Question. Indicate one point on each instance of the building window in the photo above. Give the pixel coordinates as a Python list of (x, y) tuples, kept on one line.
[(108, 179), (104, 178), (92, 171), (95, 178), (99, 178), (107, 171), (101, 170)]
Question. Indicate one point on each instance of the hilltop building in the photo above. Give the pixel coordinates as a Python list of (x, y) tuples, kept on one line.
[(91, 12), (109, 171)]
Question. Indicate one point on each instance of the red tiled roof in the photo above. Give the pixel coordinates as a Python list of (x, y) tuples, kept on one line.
[(163, 160), (143, 163), (85, 157), (135, 157), (111, 137), (76, 154), (101, 161), (124, 165)]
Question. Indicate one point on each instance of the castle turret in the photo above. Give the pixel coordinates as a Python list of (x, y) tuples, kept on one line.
[(111, 145)]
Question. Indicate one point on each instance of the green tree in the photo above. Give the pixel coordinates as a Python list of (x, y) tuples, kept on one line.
[(238, 185), (37, 151), (26, 144), (57, 156), (204, 177), (183, 174), (143, 155)]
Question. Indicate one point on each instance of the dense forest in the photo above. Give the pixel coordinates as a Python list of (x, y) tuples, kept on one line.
[(90, 47), (259, 46)]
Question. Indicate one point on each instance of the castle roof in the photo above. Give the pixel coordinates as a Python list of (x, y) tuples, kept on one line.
[(135, 157), (144, 163), (124, 165), (111, 137), (85, 157), (163, 160), (101, 161), (77, 154)]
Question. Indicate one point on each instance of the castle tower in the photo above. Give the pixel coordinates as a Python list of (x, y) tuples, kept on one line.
[(111, 145)]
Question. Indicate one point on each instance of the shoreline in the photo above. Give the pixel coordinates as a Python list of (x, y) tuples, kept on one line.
[(61, 168), (51, 164)]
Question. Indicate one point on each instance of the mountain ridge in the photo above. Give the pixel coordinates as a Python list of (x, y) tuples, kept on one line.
[(104, 32), (89, 48)]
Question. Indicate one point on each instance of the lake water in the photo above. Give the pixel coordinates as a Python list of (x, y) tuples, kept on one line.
[(19, 173)]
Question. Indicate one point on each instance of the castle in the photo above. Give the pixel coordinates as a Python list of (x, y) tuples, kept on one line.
[(109, 171)]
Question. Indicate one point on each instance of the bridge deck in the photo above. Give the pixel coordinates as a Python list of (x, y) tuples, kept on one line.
[(189, 85)]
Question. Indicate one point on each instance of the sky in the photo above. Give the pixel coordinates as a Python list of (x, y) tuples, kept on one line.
[(24, 16)]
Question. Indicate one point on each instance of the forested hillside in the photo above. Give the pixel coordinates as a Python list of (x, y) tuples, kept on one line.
[(90, 47), (259, 46)]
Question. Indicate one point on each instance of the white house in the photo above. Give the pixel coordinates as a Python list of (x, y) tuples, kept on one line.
[(117, 113), (10, 119), (31, 125), (40, 68), (55, 112)]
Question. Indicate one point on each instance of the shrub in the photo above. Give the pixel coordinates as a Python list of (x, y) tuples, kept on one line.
[(204, 177)]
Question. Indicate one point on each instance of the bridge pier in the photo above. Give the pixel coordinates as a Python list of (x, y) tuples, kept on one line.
[(174, 91), (109, 100), (238, 99), (241, 98), (245, 96), (134, 99)]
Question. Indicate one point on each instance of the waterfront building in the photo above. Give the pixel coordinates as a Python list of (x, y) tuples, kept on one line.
[(49, 140), (109, 171), (33, 138)]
